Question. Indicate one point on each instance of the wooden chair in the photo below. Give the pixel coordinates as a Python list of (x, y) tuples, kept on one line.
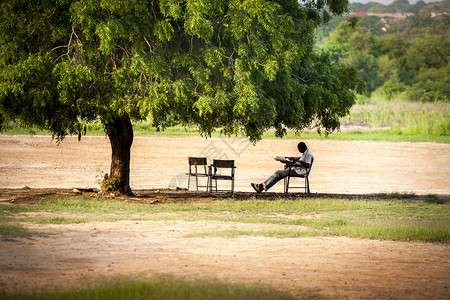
[(196, 170), (215, 175), (287, 180)]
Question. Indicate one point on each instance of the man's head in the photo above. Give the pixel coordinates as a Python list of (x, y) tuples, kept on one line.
[(302, 147)]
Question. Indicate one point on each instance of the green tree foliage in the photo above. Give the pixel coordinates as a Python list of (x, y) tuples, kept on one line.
[(442, 6), (239, 65), (353, 46), (408, 58)]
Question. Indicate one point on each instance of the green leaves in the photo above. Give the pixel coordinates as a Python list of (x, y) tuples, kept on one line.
[(163, 31), (396, 59), (196, 21), (246, 65)]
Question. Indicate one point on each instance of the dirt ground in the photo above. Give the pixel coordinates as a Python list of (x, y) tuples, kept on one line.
[(329, 267), (161, 162)]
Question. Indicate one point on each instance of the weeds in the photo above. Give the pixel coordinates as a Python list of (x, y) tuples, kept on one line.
[(433, 199), (396, 196)]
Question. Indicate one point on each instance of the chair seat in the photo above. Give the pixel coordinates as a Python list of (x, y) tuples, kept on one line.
[(298, 175), (224, 177), (198, 174)]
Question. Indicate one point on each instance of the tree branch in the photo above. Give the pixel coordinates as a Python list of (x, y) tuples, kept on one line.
[(301, 79)]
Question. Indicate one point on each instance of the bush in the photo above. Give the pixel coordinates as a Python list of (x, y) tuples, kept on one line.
[(109, 183)]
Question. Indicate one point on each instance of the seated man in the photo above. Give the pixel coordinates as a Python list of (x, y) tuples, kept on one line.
[(300, 166)]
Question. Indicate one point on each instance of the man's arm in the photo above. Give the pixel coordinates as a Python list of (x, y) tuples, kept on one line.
[(300, 163)]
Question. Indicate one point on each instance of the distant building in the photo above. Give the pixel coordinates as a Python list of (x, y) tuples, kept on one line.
[(361, 14), (385, 16), (440, 15)]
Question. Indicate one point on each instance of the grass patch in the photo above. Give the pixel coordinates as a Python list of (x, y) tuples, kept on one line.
[(267, 233), (60, 220), (433, 199), (387, 219), (378, 135), (403, 117), (164, 289), (375, 134), (17, 231), (399, 232)]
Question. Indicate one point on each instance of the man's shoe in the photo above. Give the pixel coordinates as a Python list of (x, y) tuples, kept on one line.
[(258, 187), (261, 187)]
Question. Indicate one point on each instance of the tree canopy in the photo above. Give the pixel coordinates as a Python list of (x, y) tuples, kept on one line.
[(238, 65)]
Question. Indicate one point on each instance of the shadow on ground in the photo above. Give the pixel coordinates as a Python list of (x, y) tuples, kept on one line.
[(160, 196)]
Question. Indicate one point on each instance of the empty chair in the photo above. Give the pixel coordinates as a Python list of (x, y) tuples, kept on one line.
[(197, 168), (287, 180), (222, 170)]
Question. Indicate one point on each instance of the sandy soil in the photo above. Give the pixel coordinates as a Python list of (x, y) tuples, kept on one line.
[(334, 268), (331, 267), (161, 162)]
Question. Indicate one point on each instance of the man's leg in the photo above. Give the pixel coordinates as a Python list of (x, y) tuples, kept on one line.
[(277, 176)]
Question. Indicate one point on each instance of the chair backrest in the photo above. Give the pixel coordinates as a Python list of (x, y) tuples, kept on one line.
[(309, 169), (220, 163), (223, 164), (197, 161)]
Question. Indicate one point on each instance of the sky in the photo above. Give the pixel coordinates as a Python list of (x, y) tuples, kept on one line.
[(386, 2)]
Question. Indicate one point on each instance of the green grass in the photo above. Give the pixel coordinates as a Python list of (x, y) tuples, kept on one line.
[(397, 196), (164, 289), (377, 135), (388, 219), (433, 199), (355, 135), (17, 231), (403, 118)]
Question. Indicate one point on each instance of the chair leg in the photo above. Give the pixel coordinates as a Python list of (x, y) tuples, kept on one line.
[(211, 187), (189, 180), (232, 187), (286, 190), (307, 184)]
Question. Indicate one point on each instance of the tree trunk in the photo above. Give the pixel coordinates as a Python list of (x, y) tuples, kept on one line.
[(120, 133)]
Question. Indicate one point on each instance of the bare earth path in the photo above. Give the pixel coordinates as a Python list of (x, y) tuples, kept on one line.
[(332, 267)]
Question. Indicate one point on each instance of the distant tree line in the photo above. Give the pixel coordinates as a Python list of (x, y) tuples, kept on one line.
[(406, 59), (399, 6)]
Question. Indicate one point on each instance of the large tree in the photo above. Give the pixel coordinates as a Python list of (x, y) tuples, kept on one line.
[(239, 65)]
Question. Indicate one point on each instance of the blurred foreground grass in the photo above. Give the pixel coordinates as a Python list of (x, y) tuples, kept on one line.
[(160, 288)]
